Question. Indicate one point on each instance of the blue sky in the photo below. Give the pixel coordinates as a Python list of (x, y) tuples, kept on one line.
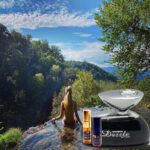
[(68, 24)]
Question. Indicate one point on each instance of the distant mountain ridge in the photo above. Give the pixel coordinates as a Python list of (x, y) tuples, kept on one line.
[(112, 70), (98, 73)]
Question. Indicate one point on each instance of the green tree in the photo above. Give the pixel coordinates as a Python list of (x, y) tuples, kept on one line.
[(125, 26), (56, 52), (144, 85), (55, 71), (84, 89), (39, 78)]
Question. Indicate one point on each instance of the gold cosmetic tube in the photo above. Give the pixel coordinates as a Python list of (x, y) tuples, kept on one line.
[(87, 126)]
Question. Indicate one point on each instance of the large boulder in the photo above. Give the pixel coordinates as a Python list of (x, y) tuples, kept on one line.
[(55, 137)]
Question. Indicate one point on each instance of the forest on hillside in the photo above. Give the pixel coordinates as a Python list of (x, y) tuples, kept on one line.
[(31, 74)]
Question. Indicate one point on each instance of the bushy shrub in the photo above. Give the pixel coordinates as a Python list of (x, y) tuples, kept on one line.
[(10, 138), (83, 88), (144, 85)]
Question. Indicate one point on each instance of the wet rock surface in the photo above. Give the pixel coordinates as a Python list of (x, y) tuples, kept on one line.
[(55, 137)]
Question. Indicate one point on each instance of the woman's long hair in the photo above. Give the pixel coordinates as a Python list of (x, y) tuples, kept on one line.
[(68, 97)]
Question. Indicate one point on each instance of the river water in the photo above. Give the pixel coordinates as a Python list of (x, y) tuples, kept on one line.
[(55, 137)]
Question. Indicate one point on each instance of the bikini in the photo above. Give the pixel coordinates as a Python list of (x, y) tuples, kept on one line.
[(69, 123)]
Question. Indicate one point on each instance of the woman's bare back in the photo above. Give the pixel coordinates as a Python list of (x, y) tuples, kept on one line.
[(69, 111)]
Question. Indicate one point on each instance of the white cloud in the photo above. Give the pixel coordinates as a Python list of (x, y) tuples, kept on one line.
[(35, 19), (65, 46), (35, 39), (84, 51), (82, 34), (89, 50), (7, 3)]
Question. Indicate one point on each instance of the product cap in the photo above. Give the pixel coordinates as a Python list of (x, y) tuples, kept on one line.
[(97, 125)]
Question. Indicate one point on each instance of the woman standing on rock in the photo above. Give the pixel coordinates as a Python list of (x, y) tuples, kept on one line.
[(68, 109)]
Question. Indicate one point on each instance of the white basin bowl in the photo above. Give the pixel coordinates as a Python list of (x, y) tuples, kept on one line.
[(122, 99)]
